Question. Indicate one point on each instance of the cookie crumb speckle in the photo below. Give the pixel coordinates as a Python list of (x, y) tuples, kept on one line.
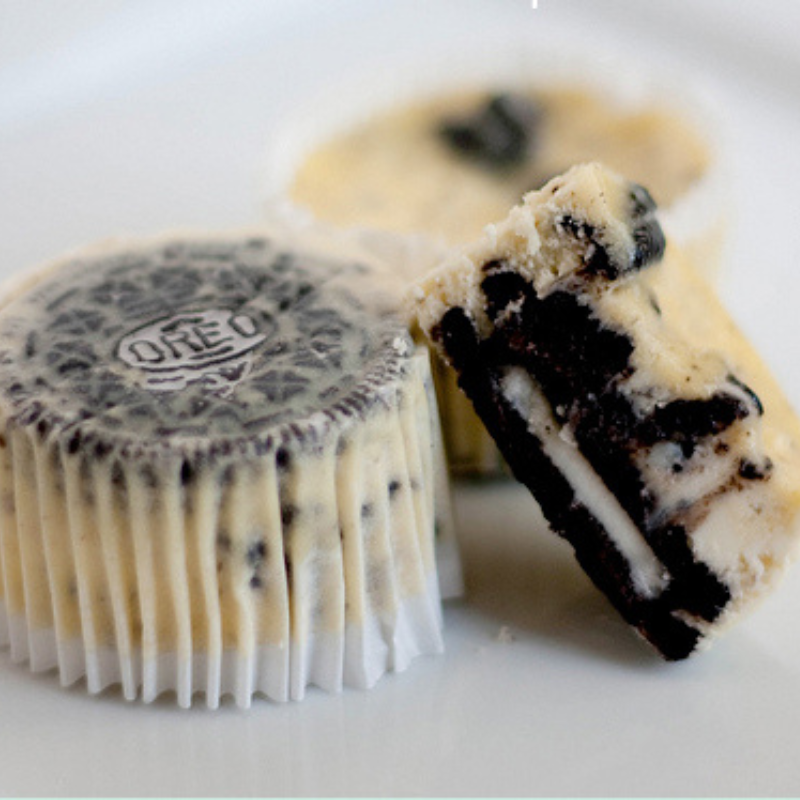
[(505, 635)]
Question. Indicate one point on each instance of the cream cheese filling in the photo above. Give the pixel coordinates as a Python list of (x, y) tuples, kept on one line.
[(648, 574)]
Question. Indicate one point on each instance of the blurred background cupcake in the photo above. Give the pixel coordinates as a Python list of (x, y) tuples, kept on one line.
[(445, 146)]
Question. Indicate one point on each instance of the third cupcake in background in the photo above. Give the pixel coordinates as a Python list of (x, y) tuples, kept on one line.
[(436, 170)]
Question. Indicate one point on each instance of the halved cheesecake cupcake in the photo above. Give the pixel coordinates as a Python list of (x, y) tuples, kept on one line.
[(623, 396)]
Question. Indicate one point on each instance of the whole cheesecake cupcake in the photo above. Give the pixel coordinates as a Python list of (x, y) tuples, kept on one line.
[(220, 471), (437, 153)]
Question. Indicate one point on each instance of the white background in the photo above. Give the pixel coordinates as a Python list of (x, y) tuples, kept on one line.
[(136, 117)]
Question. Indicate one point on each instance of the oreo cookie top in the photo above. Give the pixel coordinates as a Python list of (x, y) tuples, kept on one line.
[(185, 340)]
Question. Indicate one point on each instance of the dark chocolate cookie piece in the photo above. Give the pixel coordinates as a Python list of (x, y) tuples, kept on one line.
[(499, 134)]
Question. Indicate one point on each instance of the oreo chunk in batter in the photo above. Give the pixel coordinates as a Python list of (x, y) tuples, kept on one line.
[(191, 430), (500, 134), (624, 398)]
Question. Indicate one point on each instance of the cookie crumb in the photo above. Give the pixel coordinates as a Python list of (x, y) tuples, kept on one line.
[(505, 635)]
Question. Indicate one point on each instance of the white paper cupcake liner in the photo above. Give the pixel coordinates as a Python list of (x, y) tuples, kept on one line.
[(155, 594)]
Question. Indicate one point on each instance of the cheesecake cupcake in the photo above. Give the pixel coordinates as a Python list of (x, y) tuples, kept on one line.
[(220, 471), (623, 396), (448, 165), (434, 166)]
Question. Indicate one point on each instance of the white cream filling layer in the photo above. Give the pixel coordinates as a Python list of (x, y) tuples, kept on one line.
[(648, 574)]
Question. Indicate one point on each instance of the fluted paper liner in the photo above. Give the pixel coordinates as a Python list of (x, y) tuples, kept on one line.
[(250, 577)]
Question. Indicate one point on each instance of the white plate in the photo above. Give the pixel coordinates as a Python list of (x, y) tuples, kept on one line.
[(131, 117)]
